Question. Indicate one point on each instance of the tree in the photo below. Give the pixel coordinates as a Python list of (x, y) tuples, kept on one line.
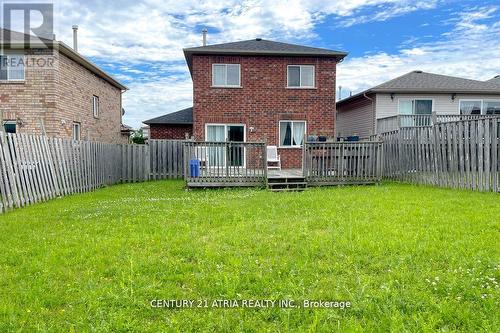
[(138, 137)]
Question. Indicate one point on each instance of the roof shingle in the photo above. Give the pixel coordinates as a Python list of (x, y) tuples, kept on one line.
[(181, 117), (261, 47), (422, 82), (428, 82)]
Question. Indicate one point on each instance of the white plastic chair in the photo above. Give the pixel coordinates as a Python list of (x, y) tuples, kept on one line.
[(273, 157)]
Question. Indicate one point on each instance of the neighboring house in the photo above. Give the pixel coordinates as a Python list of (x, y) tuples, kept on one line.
[(54, 90), (411, 99), (145, 132), (175, 125), (260, 90), (496, 80)]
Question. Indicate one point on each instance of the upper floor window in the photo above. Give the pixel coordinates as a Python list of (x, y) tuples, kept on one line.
[(226, 75), (95, 106), (11, 67), (76, 131), (292, 133), (300, 76)]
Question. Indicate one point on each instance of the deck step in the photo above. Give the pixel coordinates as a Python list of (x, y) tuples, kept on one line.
[(286, 180), (299, 189), (286, 184)]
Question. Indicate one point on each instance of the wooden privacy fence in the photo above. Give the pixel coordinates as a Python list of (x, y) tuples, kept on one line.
[(225, 164), (331, 163), (167, 159), (37, 168), (461, 154)]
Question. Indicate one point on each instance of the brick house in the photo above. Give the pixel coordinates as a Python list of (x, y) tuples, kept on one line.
[(48, 88), (175, 126), (260, 90)]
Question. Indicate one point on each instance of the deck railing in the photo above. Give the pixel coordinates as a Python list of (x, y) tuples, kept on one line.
[(218, 164), (389, 124), (331, 163)]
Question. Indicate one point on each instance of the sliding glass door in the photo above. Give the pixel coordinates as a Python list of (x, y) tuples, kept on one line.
[(216, 133), (219, 156)]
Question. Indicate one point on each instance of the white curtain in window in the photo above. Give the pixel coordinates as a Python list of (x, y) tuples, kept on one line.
[(219, 75), (307, 76), (216, 133), (298, 133), (284, 129), (470, 107)]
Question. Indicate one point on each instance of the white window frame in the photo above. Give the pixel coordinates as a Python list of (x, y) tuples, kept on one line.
[(95, 106), (470, 100), (226, 85), (279, 133), (73, 132), (8, 71), (413, 103), (225, 130), (483, 108), (9, 122), (300, 77)]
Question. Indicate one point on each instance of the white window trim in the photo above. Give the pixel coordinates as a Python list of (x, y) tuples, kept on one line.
[(79, 125), (300, 77), (279, 133), (8, 72), (406, 99), (226, 85), (95, 106)]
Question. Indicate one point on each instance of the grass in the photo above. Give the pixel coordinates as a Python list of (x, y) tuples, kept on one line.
[(408, 258)]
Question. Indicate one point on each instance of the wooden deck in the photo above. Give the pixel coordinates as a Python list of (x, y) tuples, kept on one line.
[(285, 173)]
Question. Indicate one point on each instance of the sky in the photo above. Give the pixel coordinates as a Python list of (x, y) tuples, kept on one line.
[(140, 42)]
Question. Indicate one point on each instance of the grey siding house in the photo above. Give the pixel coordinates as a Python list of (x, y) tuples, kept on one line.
[(416, 99)]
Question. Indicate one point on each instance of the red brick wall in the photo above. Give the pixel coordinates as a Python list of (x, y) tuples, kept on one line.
[(60, 94), (264, 99), (174, 132)]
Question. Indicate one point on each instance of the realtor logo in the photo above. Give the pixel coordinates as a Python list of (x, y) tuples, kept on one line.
[(24, 24)]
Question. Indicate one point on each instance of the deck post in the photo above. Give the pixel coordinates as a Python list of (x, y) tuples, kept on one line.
[(264, 154)]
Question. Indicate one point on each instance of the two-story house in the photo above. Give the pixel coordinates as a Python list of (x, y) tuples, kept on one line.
[(258, 90), (48, 88)]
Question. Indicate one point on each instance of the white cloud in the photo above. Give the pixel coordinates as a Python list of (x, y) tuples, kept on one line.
[(143, 41), (468, 50)]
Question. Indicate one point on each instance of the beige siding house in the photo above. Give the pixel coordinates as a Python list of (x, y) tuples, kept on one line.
[(51, 89), (413, 100)]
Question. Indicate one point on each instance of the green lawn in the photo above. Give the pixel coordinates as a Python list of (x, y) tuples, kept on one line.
[(408, 258)]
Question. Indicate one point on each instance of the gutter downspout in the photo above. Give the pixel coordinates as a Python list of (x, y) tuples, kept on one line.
[(374, 128), (335, 100)]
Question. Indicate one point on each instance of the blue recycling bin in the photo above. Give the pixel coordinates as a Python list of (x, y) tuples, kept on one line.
[(194, 168)]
